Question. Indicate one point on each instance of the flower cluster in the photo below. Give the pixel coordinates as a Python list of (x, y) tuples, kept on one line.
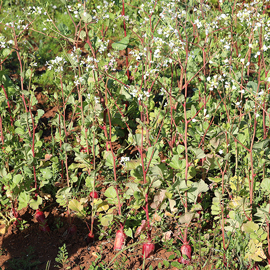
[(34, 10), (139, 95), (5, 44), (57, 64), (123, 160)]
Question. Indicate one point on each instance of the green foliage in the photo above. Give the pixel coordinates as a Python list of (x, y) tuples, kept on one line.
[(167, 104), (62, 257), (27, 261)]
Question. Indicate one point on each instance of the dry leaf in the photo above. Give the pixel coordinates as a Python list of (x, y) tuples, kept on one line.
[(166, 236), (158, 199), (48, 157), (141, 228)]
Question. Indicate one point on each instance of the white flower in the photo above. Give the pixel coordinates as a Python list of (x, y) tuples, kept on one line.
[(257, 115), (227, 47), (194, 120), (220, 151), (123, 160), (96, 100)]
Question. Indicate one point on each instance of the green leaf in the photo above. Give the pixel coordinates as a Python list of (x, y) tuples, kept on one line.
[(63, 196), (138, 139), (28, 73), (177, 265), (137, 173), (19, 131), (34, 204), (193, 111), (24, 199), (6, 52), (176, 163), (152, 153), (132, 164), (66, 147), (252, 86), (265, 185), (198, 188), (260, 145), (110, 192), (129, 233), (109, 159), (77, 207), (82, 35), (86, 17), (16, 180), (199, 153), (106, 219), (180, 149), (46, 173), (89, 182), (122, 44), (166, 263), (250, 227), (132, 188), (64, 30)]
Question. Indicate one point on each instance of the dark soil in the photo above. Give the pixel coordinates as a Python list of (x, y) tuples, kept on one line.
[(42, 248)]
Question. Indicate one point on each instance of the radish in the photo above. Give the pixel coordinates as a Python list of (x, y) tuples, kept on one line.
[(90, 237), (148, 249), (119, 239), (185, 250), (40, 217), (93, 195), (16, 222), (72, 229)]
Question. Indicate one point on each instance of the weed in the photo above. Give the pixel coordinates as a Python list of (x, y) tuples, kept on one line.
[(62, 257)]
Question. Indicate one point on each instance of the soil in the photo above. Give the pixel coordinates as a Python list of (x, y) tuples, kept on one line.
[(42, 247)]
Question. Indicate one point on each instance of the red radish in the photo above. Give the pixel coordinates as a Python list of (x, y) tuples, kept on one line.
[(148, 249), (185, 250), (16, 222), (119, 240), (40, 217), (72, 229), (44, 227), (90, 237), (95, 195)]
